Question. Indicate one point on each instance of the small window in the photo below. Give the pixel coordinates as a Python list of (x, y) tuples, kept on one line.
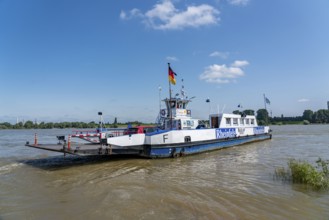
[(241, 121), (252, 121), (247, 121), (235, 121), (149, 130), (190, 123), (172, 104), (187, 138), (228, 121)]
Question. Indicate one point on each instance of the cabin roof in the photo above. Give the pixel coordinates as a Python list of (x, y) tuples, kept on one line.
[(227, 115)]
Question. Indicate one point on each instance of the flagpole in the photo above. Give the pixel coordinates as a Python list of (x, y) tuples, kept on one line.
[(265, 102), (170, 113)]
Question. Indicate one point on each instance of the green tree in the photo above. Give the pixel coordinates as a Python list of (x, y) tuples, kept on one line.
[(49, 125), (308, 115), (262, 117), (237, 112), (321, 116), (29, 124), (19, 125), (41, 125), (5, 125), (249, 112)]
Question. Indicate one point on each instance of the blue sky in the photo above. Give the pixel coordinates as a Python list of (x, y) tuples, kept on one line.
[(65, 60)]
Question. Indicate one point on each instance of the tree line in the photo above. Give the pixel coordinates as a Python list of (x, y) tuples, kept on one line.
[(262, 115), (315, 117), (62, 125)]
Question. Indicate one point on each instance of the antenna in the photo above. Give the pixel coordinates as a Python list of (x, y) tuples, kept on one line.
[(223, 108), (160, 89)]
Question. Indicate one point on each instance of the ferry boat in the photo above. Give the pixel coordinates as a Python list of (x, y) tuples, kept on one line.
[(177, 134)]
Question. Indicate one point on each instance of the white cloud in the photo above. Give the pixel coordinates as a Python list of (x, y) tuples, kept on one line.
[(303, 100), (164, 16), (123, 15), (240, 63), (224, 74), (132, 14), (170, 58), (238, 2), (219, 54)]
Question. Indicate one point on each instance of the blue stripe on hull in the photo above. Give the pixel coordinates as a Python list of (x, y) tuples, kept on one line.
[(178, 150)]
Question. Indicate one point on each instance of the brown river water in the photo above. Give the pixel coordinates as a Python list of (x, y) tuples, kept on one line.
[(233, 183)]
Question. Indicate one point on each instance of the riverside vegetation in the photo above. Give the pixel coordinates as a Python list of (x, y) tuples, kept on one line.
[(62, 125), (318, 117), (315, 177)]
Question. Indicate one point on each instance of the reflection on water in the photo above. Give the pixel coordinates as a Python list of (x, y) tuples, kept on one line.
[(234, 183)]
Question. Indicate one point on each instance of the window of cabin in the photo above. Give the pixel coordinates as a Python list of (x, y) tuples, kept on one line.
[(235, 121), (190, 123), (228, 121), (241, 121), (187, 138), (252, 121), (149, 130), (172, 104), (247, 121)]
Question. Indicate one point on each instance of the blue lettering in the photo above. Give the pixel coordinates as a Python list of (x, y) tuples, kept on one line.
[(225, 133), (259, 130)]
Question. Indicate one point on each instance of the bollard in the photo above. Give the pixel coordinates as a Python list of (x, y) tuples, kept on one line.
[(69, 142), (35, 139)]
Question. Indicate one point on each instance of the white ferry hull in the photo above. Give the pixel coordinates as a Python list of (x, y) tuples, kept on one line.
[(182, 149), (173, 143)]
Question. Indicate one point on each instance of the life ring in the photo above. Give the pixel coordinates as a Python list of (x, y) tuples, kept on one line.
[(163, 112)]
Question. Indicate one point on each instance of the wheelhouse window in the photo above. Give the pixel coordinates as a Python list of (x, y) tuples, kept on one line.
[(241, 121), (235, 121), (247, 121), (252, 121), (131, 131), (149, 130), (228, 121), (190, 123)]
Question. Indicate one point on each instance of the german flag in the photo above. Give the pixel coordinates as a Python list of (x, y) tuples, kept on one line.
[(171, 76)]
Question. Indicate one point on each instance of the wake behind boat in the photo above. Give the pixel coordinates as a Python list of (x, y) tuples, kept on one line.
[(177, 134)]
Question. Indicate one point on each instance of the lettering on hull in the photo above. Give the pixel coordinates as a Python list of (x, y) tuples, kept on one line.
[(225, 133), (259, 130), (165, 137)]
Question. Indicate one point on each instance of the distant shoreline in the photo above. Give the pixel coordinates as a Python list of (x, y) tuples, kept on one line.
[(66, 125)]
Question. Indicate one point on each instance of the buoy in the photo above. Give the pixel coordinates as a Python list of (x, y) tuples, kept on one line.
[(69, 142), (35, 139)]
